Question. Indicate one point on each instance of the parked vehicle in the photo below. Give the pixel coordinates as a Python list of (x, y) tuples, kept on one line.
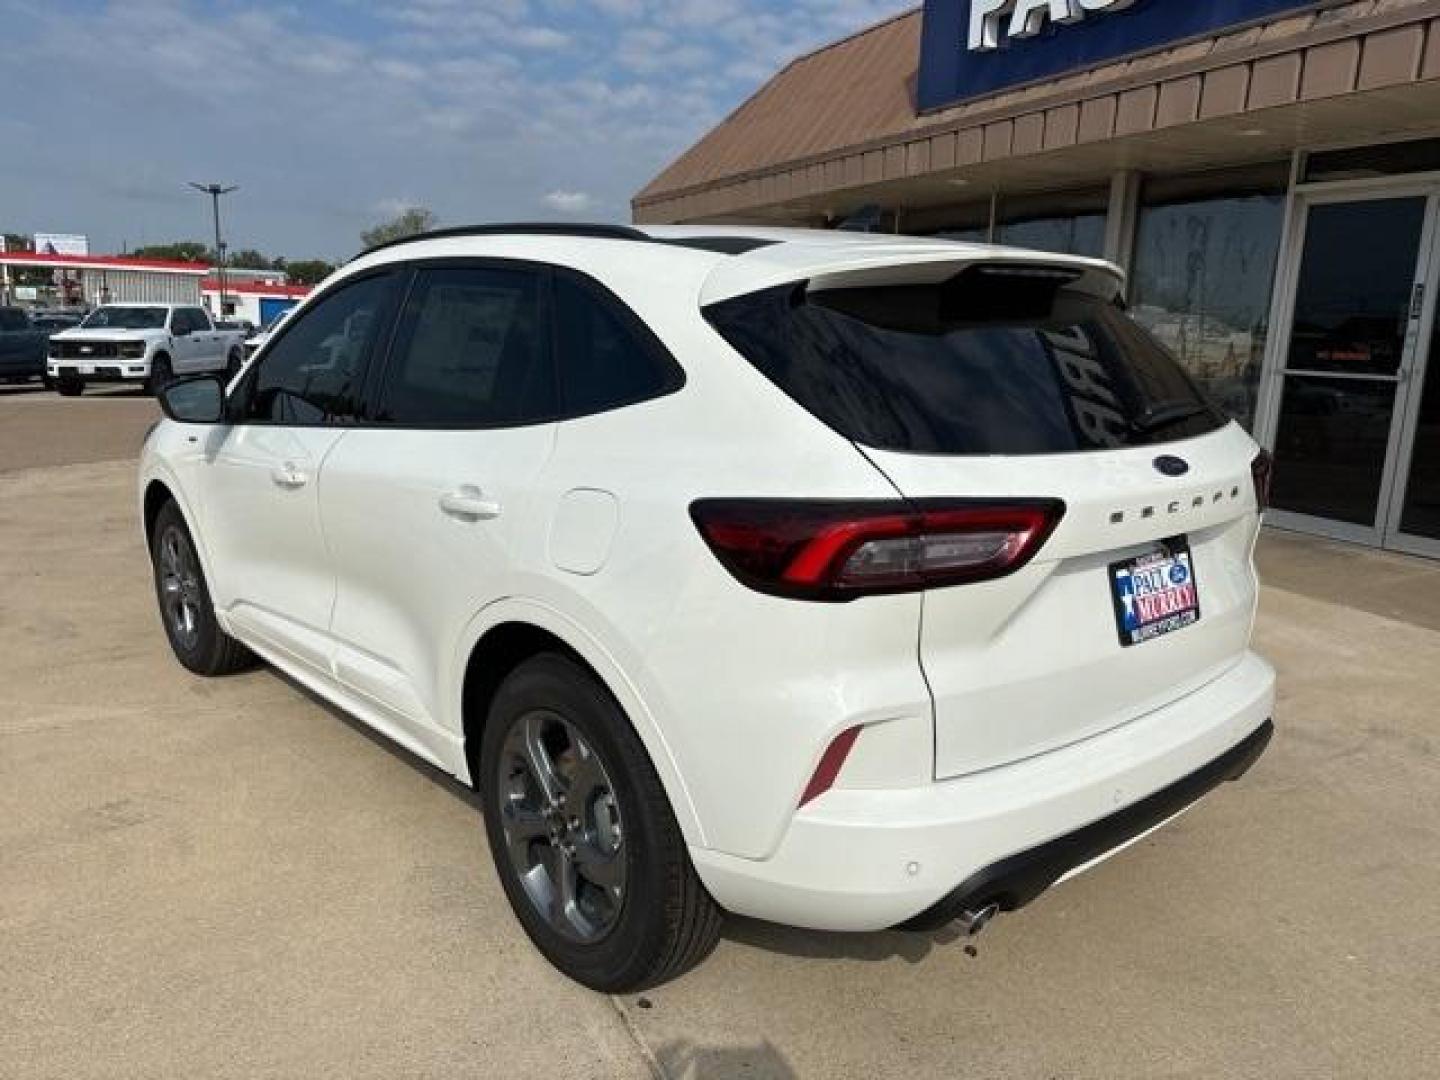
[(838, 580), (266, 332), (148, 344), (22, 347), (53, 322)]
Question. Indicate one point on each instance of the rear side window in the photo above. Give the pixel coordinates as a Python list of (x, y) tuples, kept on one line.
[(313, 373), (471, 352), (977, 365), (606, 357)]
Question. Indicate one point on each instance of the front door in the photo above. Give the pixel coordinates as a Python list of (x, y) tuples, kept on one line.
[(1344, 422), (274, 578)]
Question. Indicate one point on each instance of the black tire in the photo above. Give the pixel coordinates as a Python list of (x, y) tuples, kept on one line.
[(47, 382), (161, 374), (664, 922), (196, 638), (70, 386)]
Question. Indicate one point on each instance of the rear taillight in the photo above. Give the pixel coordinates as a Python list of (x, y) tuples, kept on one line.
[(820, 550), (1262, 471)]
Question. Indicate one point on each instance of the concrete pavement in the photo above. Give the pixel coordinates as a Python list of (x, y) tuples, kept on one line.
[(227, 878)]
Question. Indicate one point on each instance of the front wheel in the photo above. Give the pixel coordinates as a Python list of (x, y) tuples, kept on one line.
[(582, 833), (161, 374), (70, 386), (184, 598)]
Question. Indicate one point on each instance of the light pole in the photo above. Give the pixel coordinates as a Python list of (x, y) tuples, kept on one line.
[(215, 191)]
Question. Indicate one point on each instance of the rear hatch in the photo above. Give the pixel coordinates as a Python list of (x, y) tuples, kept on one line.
[(1003, 381)]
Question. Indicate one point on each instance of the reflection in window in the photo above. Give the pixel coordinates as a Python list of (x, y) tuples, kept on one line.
[(1201, 281), (1078, 234)]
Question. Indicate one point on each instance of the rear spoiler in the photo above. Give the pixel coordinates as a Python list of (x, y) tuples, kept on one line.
[(869, 263)]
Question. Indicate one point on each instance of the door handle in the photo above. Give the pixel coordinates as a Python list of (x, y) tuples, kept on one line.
[(468, 503), (289, 476)]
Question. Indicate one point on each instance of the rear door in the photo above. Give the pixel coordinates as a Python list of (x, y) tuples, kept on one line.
[(1000, 384), (430, 507)]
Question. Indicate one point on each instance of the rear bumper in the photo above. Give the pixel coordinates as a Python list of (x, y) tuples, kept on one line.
[(1014, 882), (869, 860)]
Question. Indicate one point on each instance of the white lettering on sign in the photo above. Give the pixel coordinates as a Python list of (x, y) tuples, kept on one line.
[(1027, 18)]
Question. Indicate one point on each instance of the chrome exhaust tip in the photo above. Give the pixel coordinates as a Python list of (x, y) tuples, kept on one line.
[(973, 921)]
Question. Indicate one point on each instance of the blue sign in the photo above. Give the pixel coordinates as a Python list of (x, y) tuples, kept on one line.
[(970, 48)]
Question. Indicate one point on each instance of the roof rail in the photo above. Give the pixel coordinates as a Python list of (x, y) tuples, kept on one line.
[(522, 228)]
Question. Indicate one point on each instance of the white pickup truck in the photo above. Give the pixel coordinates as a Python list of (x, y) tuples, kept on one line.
[(148, 344)]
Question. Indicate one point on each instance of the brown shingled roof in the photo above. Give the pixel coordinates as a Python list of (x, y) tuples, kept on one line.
[(859, 88)]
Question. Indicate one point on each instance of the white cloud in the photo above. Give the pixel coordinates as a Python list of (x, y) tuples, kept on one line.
[(569, 202), (323, 112)]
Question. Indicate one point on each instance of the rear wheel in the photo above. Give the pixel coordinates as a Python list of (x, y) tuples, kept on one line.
[(582, 834), (70, 386), (184, 598)]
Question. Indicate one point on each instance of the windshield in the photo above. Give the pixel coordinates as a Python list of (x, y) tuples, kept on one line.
[(126, 318), (973, 366)]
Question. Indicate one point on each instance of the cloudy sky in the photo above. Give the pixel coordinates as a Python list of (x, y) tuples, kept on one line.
[(331, 114)]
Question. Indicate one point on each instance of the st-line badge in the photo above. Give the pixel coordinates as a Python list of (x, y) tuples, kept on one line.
[(1156, 593)]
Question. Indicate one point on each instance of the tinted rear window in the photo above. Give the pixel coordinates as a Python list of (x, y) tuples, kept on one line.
[(971, 366)]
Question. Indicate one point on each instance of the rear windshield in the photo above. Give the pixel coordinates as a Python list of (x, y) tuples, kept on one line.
[(1018, 367)]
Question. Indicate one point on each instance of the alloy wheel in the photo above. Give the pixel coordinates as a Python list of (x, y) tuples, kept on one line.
[(180, 591), (563, 832)]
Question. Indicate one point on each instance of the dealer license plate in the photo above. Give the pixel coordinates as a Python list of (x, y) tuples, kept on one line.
[(1155, 594)]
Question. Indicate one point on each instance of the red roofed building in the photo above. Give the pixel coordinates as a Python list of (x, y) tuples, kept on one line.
[(100, 279), (251, 297)]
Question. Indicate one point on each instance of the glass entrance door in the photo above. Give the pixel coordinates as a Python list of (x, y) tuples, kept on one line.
[(1343, 419)]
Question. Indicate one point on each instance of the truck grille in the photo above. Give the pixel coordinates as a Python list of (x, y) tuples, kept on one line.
[(87, 350)]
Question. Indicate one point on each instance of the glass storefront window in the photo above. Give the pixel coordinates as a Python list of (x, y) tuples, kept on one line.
[(1080, 234), (1201, 281)]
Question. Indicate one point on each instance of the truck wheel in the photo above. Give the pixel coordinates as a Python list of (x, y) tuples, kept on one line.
[(161, 374), (70, 386)]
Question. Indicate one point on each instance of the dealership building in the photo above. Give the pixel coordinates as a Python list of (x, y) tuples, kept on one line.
[(1267, 173)]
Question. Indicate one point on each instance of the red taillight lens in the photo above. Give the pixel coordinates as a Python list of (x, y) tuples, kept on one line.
[(818, 550), (1262, 470)]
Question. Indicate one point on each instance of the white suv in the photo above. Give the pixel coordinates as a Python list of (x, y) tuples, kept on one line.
[(844, 581)]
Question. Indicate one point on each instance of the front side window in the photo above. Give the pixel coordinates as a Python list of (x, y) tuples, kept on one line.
[(606, 357), (978, 365), (313, 374), (471, 352)]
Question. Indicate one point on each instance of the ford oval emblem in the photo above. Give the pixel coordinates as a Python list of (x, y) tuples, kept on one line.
[(1172, 466)]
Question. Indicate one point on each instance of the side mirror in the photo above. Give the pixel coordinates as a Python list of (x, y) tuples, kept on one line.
[(200, 400)]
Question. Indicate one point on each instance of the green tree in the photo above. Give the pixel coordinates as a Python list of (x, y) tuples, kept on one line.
[(409, 222), (250, 259), (182, 251), (307, 271)]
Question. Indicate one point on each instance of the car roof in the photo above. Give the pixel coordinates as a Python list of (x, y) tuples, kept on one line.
[(737, 260)]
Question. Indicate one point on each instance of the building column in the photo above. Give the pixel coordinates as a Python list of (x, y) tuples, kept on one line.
[(1120, 219)]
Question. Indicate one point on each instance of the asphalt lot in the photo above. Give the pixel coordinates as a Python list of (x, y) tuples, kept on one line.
[(210, 879)]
